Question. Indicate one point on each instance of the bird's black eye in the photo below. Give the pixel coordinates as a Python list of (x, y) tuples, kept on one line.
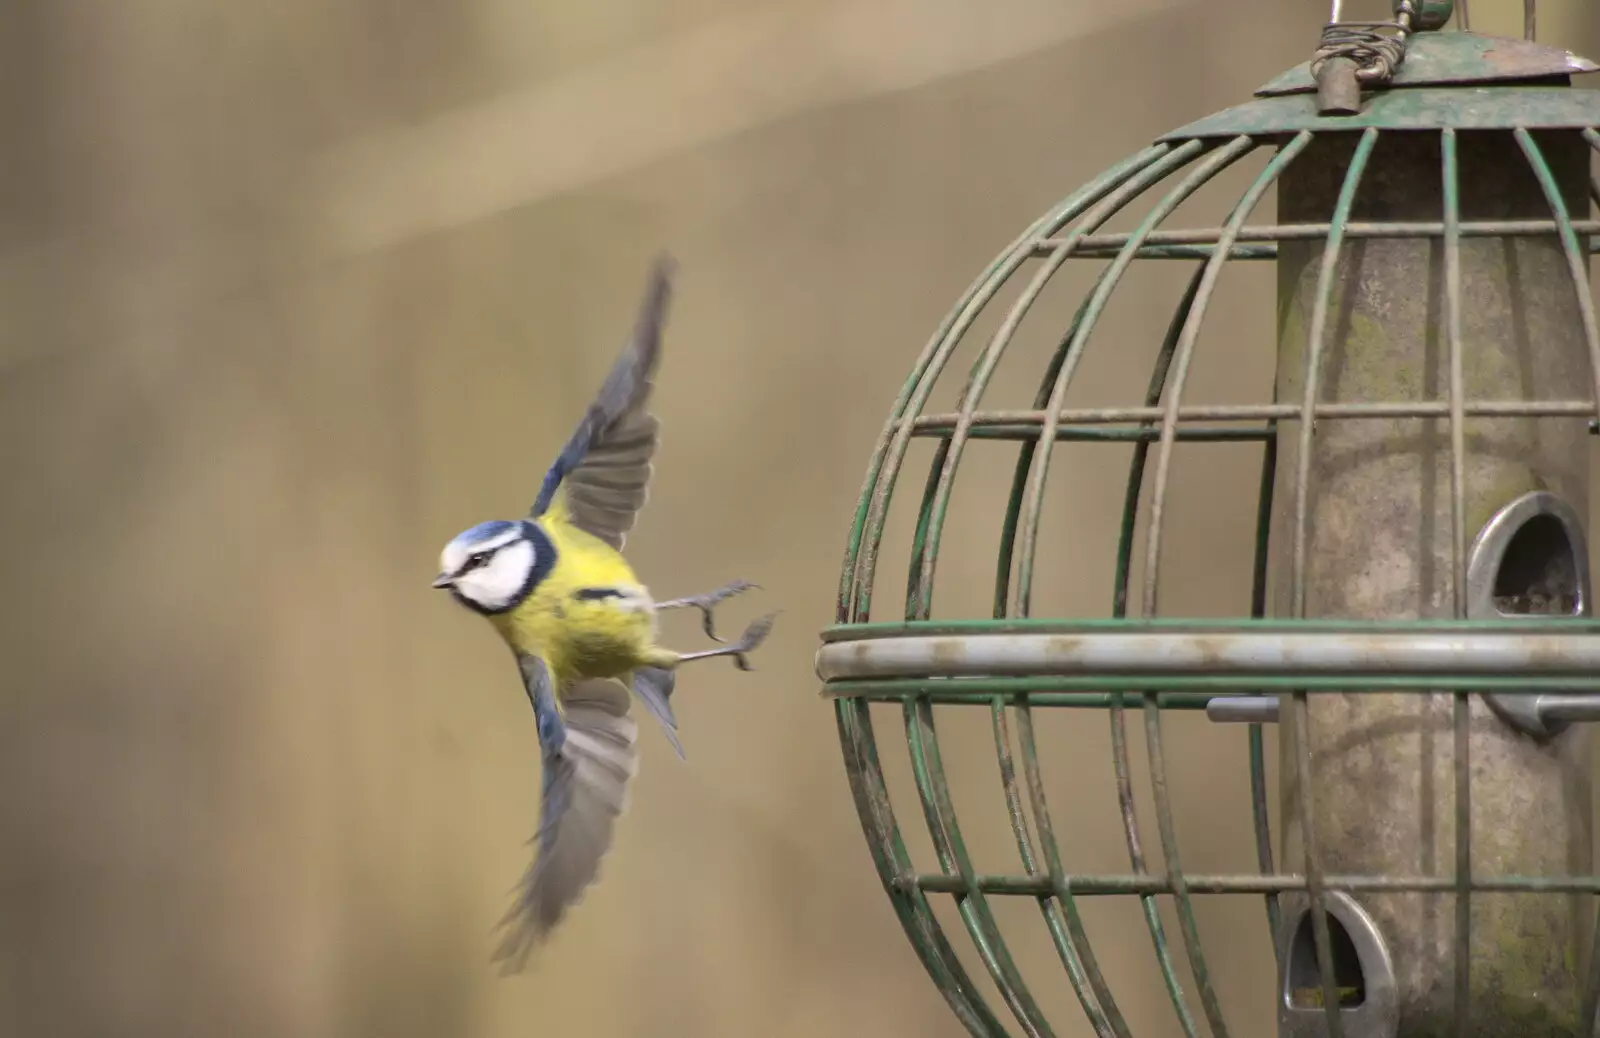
[(477, 559)]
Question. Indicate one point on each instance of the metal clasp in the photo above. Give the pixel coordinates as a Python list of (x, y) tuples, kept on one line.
[(1531, 561)]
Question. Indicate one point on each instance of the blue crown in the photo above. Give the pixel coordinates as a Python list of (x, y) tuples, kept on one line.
[(483, 531)]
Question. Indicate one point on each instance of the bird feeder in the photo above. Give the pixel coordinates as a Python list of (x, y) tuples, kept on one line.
[(1420, 628)]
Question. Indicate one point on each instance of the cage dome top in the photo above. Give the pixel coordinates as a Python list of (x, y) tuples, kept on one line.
[(1458, 79)]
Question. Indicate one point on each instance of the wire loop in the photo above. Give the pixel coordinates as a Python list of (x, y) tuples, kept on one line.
[(1377, 48)]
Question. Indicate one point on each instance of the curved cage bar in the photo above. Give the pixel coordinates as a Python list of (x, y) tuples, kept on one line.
[(1289, 645)]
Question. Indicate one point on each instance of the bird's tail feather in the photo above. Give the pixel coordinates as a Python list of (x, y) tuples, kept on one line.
[(654, 686), (597, 760)]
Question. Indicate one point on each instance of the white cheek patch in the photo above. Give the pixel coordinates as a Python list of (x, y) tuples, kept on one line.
[(498, 584)]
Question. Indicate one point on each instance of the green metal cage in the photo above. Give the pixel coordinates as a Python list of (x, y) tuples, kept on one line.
[(1458, 104)]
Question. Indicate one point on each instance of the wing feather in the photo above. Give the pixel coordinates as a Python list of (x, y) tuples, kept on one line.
[(585, 791), (603, 472)]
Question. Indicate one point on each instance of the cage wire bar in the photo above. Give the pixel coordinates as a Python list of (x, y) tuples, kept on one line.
[(1317, 340), (1460, 705), (859, 665)]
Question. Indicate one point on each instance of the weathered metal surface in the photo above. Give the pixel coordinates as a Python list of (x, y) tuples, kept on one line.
[(1551, 711), (1531, 559), (1353, 410), (1338, 90), (1135, 653), (1455, 58), (869, 631), (1241, 883), (1386, 501), (1422, 108), (1320, 230), (1369, 1008)]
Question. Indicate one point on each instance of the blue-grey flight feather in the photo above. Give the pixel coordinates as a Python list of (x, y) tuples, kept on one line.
[(590, 756), (654, 688), (606, 463)]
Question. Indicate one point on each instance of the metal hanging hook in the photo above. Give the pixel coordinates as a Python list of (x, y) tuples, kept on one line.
[(1354, 55)]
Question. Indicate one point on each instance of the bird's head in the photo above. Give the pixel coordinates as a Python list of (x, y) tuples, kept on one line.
[(493, 566)]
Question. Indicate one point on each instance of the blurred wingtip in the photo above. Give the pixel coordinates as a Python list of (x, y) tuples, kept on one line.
[(577, 819), (525, 928), (522, 939), (653, 309)]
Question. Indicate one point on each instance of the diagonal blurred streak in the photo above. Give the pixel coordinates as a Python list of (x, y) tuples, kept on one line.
[(619, 114), (670, 95)]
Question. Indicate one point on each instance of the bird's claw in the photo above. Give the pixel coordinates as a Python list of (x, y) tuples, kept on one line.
[(751, 640), (707, 604)]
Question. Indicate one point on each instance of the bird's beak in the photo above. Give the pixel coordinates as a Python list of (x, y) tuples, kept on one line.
[(443, 580)]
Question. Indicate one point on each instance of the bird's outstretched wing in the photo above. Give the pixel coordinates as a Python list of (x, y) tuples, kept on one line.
[(603, 472), (589, 758)]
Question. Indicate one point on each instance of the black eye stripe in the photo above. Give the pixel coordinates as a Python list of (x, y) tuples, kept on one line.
[(476, 560), (481, 558)]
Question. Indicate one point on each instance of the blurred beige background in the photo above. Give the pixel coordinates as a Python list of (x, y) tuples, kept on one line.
[(291, 293)]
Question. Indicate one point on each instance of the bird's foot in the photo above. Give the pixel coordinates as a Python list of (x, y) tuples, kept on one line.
[(752, 638), (707, 604)]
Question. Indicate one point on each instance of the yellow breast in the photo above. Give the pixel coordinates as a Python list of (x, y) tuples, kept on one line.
[(572, 621)]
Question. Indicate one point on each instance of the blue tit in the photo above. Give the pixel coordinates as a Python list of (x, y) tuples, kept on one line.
[(583, 628)]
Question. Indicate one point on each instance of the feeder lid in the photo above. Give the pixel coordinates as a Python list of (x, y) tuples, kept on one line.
[(1453, 58), (1424, 108), (1455, 79)]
